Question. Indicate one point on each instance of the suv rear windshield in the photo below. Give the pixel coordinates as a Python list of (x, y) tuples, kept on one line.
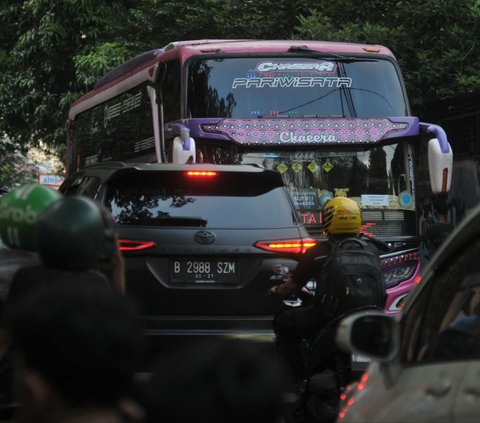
[(233, 200)]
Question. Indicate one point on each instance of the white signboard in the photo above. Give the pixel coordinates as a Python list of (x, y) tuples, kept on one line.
[(374, 200), (51, 180)]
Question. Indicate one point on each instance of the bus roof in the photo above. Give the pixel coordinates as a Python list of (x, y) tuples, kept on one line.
[(141, 68), (277, 46)]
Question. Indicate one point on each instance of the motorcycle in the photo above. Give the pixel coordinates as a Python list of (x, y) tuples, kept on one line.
[(329, 373)]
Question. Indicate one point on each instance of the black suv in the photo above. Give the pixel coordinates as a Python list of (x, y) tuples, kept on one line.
[(202, 243)]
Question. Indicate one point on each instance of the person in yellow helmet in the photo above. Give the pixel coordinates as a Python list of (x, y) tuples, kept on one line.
[(342, 221)]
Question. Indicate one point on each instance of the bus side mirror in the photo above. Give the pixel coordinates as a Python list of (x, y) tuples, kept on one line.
[(440, 165), (440, 159)]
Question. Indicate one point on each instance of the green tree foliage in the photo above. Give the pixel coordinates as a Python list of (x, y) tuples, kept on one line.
[(44, 61), (201, 19), (52, 51), (15, 169), (435, 41)]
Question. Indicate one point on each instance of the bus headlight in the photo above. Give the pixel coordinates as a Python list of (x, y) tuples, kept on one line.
[(398, 274)]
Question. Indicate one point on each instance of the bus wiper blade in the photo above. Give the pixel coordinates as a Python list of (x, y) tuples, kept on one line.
[(180, 221), (305, 49), (329, 54)]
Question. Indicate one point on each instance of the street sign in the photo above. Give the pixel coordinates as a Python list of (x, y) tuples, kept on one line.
[(53, 181)]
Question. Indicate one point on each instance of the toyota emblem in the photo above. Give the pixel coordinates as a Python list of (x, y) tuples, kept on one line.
[(205, 237)]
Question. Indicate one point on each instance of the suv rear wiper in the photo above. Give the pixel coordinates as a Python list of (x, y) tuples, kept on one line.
[(181, 221)]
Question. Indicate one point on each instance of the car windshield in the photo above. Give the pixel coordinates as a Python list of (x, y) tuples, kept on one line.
[(244, 87), (379, 179), (225, 200)]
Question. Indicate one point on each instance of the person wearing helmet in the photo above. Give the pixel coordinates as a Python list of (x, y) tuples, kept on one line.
[(20, 210), (73, 237), (341, 220), (80, 233), (49, 236)]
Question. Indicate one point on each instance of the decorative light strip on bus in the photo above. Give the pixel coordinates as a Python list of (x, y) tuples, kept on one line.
[(313, 131)]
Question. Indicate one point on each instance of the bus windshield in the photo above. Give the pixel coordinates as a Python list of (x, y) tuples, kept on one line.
[(380, 179), (245, 88)]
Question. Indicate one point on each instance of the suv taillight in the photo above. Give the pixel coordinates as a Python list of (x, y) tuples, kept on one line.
[(296, 246), (134, 245)]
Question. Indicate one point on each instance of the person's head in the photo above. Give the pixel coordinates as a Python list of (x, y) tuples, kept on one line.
[(341, 216), (19, 213), (76, 346), (74, 233), (233, 381)]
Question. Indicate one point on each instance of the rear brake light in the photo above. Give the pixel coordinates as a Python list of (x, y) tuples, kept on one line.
[(134, 245), (201, 173), (296, 246)]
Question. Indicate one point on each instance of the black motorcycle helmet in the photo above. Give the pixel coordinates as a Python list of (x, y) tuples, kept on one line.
[(71, 234)]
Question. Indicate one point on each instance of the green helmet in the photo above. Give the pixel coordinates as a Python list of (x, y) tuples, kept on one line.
[(71, 234), (19, 211)]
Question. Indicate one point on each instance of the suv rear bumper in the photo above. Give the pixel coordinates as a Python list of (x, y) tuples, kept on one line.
[(167, 333), (209, 326)]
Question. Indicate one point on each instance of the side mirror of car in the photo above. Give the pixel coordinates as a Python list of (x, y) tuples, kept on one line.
[(373, 334)]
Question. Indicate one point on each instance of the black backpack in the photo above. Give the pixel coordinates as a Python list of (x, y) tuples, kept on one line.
[(349, 278), (435, 235)]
